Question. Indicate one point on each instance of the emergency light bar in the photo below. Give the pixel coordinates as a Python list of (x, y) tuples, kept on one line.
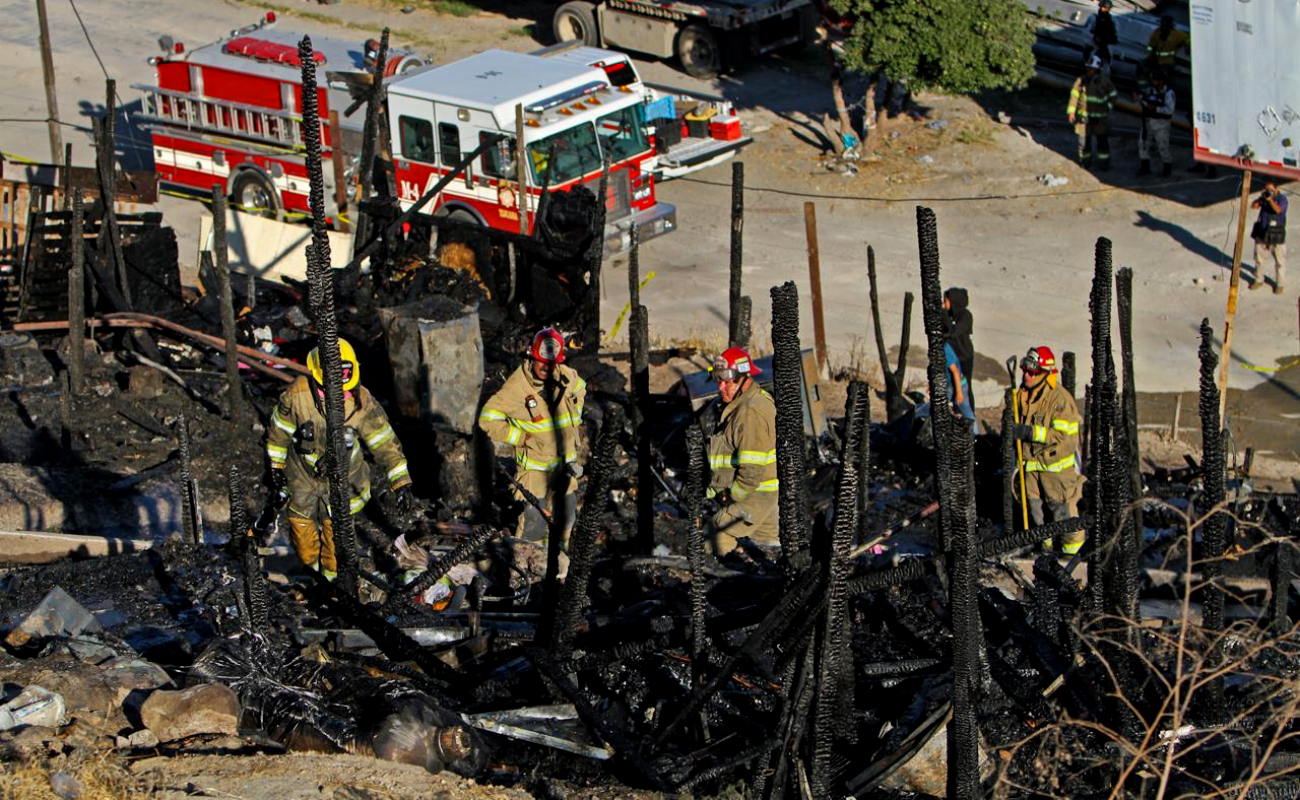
[(565, 97)]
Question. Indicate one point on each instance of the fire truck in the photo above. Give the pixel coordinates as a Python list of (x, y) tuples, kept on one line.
[(229, 113)]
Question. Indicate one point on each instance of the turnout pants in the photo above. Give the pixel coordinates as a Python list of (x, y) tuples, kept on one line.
[(314, 545), (1154, 131), (1058, 494), (1094, 135), (532, 526), (755, 518)]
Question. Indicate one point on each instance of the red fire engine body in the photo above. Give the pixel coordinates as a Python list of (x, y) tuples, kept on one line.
[(229, 114)]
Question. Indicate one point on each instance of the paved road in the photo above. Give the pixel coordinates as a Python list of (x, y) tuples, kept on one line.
[(1027, 261)]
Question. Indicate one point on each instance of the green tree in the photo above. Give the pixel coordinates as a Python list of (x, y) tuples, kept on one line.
[(959, 46)]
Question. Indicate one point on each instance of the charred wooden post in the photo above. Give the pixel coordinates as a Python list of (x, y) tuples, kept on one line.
[(736, 335), (1281, 572), (1009, 465), (1101, 416), (834, 695), (695, 548), (893, 378), (963, 609), (787, 384), (234, 386), (1069, 371), (573, 597), (320, 278), (365, 167), (639, 339), (927, 233), (1126, 575), (744, 321), (106, 156), (254, 588), (595, 256), (77, 296), (1213, 529), (189, 498)]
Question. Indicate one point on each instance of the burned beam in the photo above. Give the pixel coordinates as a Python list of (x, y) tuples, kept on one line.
[(77, 297), (234, 387), (321, 280), (792, 499), (737, 335)]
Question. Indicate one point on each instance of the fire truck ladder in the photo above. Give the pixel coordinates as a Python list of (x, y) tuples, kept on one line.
[(221, 117)]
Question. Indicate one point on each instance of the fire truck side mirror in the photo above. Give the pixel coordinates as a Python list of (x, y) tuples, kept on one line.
[(166, 43)]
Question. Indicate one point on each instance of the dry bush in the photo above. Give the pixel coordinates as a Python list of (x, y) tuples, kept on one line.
[(1202, 713)]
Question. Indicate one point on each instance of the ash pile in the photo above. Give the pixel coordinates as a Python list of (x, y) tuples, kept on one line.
[(899, 642)]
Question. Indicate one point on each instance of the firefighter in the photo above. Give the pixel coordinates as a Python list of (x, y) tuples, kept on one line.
[(742, 456), (297, 444), (1165, 42), (1049, 429), (538, 412), (1091, 99)]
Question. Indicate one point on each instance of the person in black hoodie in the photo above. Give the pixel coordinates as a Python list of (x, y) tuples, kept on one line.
[(960, 325)]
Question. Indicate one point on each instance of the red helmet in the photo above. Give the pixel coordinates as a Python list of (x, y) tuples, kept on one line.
[(548, 346), (1039, 360), (733, 364)]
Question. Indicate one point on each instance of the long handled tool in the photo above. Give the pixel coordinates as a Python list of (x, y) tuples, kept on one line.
[(1020, 447)]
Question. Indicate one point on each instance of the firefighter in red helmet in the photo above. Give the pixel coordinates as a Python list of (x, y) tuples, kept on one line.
[(1049, 430), (538, 412), (742, 455)]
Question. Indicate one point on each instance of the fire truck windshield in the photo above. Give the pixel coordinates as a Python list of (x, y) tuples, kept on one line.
[(578, 151)]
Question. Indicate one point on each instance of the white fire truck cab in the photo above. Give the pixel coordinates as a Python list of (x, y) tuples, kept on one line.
[(229, 114), (574, 120)]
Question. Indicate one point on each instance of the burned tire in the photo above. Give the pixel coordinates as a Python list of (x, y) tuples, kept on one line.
[(699, 52), (252, 193), (576, 20)]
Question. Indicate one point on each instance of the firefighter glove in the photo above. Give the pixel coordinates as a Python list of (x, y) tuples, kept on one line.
[(279, 481), (1024, 433), (403, 500)]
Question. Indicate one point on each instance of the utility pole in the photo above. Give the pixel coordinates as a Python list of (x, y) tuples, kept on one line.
[(1234, 286), (51, 101)]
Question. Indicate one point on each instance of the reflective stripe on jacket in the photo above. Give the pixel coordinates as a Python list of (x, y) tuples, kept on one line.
[(1091, 99), (1165, 48), (742, 449), (308, 489), (1051, 413), (543, 438)]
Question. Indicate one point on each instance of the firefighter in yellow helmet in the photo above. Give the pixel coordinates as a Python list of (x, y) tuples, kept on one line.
[(742, 456), (296, 444), (538, 412), (1050, 431)]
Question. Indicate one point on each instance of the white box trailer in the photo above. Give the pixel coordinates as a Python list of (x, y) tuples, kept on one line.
[(1246, 84)]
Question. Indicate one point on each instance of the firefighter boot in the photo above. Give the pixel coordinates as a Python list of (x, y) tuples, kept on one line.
[(1145, 168)]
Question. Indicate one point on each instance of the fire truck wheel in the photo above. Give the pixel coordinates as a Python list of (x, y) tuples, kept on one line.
[(253, 194), (699, 52), (576, 20)]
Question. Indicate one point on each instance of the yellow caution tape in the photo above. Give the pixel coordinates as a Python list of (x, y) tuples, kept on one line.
[(627, 307), (19, 159), (1257, 368)]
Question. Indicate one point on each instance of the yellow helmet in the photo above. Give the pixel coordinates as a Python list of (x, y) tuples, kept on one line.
[(351, 369)]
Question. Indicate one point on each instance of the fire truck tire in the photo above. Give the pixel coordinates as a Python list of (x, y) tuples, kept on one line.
[(576, 20), (254, 194), (699, 51)]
